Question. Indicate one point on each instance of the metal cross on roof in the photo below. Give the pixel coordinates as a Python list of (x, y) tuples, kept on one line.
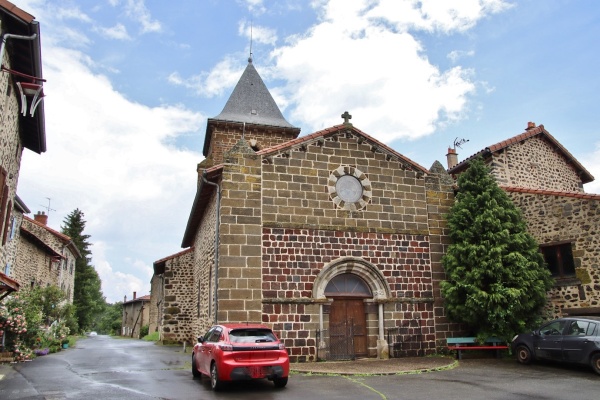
[(347, 117)]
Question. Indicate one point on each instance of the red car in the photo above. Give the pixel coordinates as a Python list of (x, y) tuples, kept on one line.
[(233, 352)]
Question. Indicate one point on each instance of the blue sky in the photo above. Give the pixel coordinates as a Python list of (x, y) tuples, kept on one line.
[(130, 84)]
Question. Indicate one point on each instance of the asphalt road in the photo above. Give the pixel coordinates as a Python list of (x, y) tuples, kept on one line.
[(106, 368)]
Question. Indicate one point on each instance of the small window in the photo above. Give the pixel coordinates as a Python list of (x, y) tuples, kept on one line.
[(349, 285), (560, 260), (591, 329), (7, 269)]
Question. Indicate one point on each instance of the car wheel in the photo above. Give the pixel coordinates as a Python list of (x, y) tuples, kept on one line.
[(215, 382), (195, 371), (523, 354), (280, 382), (596, 362)]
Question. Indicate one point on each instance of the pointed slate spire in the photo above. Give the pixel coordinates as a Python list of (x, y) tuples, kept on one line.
[(251, 102)]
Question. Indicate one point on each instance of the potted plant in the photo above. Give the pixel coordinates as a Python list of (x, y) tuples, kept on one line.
[(65, 343)]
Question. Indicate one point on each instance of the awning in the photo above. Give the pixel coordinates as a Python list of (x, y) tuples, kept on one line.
[(7, 286)]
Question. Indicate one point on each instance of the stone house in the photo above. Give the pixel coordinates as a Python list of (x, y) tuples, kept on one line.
[(136, 314), (45, 257), (546, 182), (333, 239), (22, 118), (172, 309)]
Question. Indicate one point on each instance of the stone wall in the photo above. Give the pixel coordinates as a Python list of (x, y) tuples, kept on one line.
[(306, 227), (534, 163), (135, 316), (297, 190), (155, 306), (11, 149), (440, 199), (12, 241), (179, 308), (226, 135), (568, 218), (239, 291), (34, 261), (294, 258), (204, 268)]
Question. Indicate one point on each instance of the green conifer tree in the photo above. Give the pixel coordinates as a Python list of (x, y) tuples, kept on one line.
[(496, 276), (87, 292)]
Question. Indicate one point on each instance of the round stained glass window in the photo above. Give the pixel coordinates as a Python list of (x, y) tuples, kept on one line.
[(349, 188)]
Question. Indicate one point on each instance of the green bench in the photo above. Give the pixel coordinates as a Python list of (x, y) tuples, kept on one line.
[(460, 344)]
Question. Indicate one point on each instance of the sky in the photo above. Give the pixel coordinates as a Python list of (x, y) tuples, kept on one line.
[(131, 83)]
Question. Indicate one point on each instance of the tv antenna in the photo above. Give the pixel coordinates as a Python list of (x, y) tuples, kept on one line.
[(48, 209), (459, 142)]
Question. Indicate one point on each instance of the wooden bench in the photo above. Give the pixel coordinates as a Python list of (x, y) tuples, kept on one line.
[(461, 344)]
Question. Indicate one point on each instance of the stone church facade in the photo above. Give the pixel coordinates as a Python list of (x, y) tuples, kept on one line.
[(325, 235), (335, 240)]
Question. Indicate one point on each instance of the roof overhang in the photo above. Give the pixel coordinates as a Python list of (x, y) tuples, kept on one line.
[(203, 195), (7, 286), (26, 57)]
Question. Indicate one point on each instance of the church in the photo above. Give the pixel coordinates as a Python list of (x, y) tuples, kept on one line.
[(332, 238)]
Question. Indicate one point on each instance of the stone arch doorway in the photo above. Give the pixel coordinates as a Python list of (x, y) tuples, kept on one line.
[(345, 287), (347, 317)]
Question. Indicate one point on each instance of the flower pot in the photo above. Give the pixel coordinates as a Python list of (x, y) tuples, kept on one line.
[(65, 345)]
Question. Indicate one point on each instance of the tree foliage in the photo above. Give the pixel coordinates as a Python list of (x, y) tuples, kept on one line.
[(496, 276), (87, 292), (110, 321)]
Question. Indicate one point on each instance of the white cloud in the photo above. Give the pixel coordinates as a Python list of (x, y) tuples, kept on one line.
[(256, 7), (111, 158), (258, 34), (352, 61), (456, 55), (591, 162), (221, 77), (119, 32), (136, 10)]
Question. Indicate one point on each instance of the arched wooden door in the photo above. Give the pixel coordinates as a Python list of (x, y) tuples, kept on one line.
[(347, 319)]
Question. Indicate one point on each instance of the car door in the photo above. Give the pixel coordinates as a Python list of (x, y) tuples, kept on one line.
[(203, 352), (208, 347), (578, 341), (548, 343)]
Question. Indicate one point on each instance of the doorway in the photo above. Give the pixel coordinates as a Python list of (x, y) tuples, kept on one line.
[(347, 318)]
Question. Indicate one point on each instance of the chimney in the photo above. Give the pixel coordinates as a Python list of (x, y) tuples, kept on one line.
[(452, 158), (133, 295), (125, 299), (530, 125), (41, 217)]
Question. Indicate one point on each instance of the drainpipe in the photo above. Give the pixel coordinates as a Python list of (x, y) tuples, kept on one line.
[(216, 278), (11, 36)]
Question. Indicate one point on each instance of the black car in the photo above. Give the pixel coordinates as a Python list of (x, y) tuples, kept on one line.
[(571, 340)]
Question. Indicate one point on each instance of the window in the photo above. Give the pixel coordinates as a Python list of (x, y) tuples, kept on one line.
[(553, 329), (559, 258), (13, 225), (7, 269), (3, 201)]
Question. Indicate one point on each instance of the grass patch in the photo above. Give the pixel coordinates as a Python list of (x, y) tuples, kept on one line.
[(152, 337)]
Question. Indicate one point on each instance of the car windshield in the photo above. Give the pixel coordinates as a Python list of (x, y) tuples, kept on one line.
[(251, 336)]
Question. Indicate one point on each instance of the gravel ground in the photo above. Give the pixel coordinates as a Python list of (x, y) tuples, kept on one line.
[(372, 366)]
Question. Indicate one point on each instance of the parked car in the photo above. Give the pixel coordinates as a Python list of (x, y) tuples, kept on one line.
[(571, 340), (232, 352)]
